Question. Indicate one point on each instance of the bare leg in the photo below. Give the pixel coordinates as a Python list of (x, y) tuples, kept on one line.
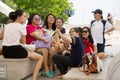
[(102, 55), (52, 51), (38, 64), (0, 51), (60, 76), (45, 58)]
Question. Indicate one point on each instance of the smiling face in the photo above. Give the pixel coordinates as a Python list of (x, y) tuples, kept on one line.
[(50, 19), (36, 20), (85, 33), (59, 23), (73, 33)]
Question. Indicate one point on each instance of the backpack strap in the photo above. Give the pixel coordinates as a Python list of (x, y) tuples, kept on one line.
[(92, 22), (104, 22)]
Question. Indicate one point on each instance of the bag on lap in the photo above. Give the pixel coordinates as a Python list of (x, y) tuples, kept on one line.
[(41, 44)]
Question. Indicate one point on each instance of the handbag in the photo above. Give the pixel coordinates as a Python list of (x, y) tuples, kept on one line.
[(89, 67), (42, 44)]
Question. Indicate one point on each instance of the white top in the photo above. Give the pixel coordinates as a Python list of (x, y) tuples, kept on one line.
[(50, 32), (97, 30), (13, 33)]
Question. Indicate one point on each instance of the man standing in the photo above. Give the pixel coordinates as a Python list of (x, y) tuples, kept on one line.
[(98, 28)]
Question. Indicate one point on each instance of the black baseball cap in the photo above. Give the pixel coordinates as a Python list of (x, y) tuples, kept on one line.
[(97, 11)]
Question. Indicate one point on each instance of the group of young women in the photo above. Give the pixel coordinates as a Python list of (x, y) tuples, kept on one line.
[(11, 45), (80, 40)]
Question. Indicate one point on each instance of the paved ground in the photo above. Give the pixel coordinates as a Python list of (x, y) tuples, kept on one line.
[(43, 78)]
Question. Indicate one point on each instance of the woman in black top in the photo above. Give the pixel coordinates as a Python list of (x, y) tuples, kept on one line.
[(63, 62)]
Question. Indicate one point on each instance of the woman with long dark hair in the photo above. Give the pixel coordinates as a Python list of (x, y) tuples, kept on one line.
[(49, 25), (90, 44)]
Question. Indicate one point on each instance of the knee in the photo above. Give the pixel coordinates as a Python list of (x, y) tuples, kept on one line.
[(44, 52), (52, 50), (40, 57), (101, 55)]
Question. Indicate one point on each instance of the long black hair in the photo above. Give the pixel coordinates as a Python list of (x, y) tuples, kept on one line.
[(90, 38), (46, 22)]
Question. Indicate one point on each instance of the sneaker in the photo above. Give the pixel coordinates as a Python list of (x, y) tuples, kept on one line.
[(43, 74), (52, 73)]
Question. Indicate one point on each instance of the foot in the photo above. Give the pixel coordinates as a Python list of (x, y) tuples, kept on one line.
[(60, 76), (46, 74), (51, 72)]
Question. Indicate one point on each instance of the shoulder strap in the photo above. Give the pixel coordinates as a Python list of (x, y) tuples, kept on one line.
[(104, 22), (92, 22)]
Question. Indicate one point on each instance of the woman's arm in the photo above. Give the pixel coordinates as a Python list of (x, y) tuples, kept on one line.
[(23, 39), (36, 36), (1, 34), (69, 40), (95, 48), (111, 29)]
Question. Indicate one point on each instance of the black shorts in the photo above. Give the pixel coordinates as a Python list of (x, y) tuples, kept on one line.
[(16, 51), (100, 47)]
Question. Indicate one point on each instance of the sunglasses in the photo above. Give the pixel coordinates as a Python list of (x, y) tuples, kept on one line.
[(84, 31), (37, 19), (72, 31)]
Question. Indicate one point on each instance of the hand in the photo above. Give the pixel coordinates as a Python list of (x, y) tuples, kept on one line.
[(64, 52), (57, 31), (45, 40)]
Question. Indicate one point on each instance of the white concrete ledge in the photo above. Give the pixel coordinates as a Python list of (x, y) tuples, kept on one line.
[(17, 69), (75, 74)]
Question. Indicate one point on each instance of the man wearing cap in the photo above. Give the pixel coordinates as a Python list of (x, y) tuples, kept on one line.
[(98, 28)]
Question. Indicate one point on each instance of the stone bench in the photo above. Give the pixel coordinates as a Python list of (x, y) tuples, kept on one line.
[(75, 74), (15, 69)]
